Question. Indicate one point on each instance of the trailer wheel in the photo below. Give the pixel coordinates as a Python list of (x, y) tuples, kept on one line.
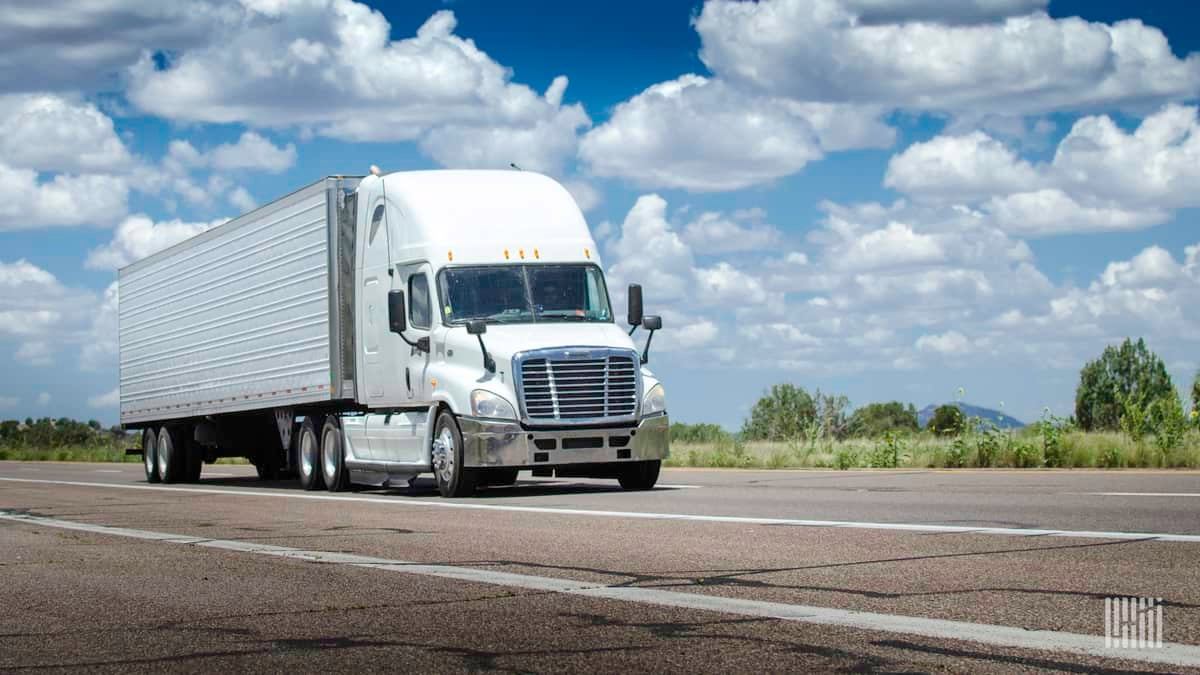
[(172, 462), (195, 455), (640, 475), (150, 455), (333, 456), (453, 479), (308, 456)]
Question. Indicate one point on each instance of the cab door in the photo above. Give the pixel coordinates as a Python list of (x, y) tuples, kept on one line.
[(398, 436)]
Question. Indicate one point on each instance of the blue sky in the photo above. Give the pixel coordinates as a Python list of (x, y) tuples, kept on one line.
[(889, 199)]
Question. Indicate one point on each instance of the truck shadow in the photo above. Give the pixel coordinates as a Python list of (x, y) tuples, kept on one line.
[(426, 487)]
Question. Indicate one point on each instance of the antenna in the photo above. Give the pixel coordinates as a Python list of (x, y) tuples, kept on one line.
[(387, 228), (514, 165)]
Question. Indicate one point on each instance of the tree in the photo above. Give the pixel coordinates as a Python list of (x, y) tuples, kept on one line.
[(947, 419), (831, 415), (876, 419), (1125, 374), (782, 414), (1196, 392)]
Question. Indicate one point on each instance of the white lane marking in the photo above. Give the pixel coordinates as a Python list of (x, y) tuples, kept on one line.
[(642, 515), (672, 486), (218, 474), (1140, 494), (1002, 636)]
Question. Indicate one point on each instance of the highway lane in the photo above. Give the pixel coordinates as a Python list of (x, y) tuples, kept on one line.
[(92, 596)]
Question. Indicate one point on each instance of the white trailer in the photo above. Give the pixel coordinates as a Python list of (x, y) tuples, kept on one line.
[(371, 329)]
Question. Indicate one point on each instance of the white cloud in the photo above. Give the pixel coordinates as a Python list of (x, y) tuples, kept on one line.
[(1101, 177), (242, 200), (652, 138), (586, 195), (34, 353), (138, 236), (823, 50), (894, 245), (43, 398), (964, 168), (949, 343), (332, 68), (100, 348), (252, 151), (109, 399), (46, 132), (89, 199), (712, 232)]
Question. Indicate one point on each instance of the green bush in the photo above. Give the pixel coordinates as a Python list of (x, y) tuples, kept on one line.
[(947, 420), (1126, 373), (782, 414), (876, 419)]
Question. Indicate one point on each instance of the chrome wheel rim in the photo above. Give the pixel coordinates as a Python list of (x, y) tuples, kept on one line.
[(443, 456), (149, 455), (163, 455), (329, 460), (308, 453)]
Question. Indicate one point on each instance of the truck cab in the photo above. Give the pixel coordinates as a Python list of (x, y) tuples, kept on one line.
[(486, 342)]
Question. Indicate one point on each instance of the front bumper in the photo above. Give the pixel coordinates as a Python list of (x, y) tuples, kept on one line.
[(488, 443)]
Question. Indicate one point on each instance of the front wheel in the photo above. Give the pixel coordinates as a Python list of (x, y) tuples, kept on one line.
[(640, 475), (453, 479)]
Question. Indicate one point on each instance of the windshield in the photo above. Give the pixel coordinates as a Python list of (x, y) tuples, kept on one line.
[(524, 293)]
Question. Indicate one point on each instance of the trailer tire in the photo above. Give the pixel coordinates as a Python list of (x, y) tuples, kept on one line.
[(172, 459), (308, 456), (453, 479), (333, 456), (640, 475), (150, 455)]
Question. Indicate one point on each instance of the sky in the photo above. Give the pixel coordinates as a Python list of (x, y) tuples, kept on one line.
[(886, 199)]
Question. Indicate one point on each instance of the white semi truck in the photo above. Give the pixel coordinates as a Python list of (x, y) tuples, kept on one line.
[(371, 329)]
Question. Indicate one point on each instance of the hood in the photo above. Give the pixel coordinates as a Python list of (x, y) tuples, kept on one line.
[(505, 340)]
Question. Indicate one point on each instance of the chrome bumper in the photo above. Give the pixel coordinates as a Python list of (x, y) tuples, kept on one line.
[(491, 443)]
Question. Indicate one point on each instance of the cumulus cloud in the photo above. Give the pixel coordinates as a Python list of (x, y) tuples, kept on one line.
[(714, 232), (332, 68), (652, 137), (940, 56), (950, 343), (252, 151), (27, 202), (138, 236), (242, 200), (35, 307), (1101, 177), (47, 132)]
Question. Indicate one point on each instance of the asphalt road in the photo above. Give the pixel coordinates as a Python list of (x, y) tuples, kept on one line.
[(715, 571)]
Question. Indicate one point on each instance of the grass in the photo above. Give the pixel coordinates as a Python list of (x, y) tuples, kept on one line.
[(1006, 450), (1024, 449), (82, 453)]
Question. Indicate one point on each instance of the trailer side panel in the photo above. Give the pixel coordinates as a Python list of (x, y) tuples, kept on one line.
[(242, 317)]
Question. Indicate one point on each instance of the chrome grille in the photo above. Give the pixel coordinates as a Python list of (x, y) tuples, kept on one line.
[(578, 385)]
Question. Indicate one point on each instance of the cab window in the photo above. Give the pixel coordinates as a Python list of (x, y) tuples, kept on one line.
[(419, 314)]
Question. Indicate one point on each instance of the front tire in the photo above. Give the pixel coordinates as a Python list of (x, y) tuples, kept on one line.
[(308, 456), (453, 479), (150, 455), (640, 475), (333, 457)]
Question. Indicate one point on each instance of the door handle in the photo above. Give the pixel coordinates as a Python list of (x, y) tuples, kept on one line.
[(408, 380)]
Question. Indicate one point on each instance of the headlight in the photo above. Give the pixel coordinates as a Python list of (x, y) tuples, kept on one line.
[(487, 404), (655, 400)]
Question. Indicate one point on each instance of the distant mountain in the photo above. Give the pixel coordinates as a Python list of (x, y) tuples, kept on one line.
[(998, 418)]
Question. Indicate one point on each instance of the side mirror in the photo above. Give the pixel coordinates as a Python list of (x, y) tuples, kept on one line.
[(397, 318), (478, 327), (652, 323), (634, 305)]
